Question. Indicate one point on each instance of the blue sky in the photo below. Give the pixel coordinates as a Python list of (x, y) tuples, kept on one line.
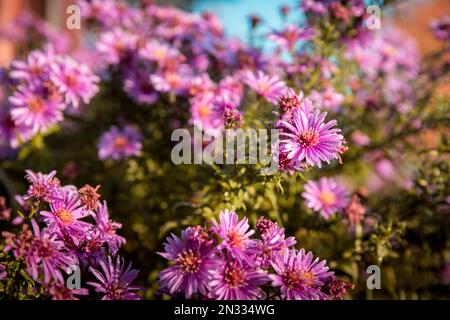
[(234, 13)]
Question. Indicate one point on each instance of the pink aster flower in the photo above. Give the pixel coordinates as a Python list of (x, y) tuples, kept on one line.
[(119, 144), (290, 100), (75, 80), (193, 258), (174, 81), (201, 84), (116, 44), (115, 282), (273, 241), (31, 109), (325, 196), (103, 11), (108, 228), (43, 187), (35, 68), (12, 134), (49, 256), (235, 281), (160, 52), (306, 137), (328, 99), (231, 87), (313, 6), (268, 87), (385, 169), (299, 276), (289, 37), (360, 138), (61, 292), (235, 236), (42, 252), (66, 212), (204, 111)]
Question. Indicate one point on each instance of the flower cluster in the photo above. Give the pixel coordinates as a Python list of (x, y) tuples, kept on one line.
[(224, 262), (43, 86), (68, 241), (390, 56)]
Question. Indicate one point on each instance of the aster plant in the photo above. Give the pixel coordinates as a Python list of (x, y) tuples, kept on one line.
[(361, 176), (54, 238)]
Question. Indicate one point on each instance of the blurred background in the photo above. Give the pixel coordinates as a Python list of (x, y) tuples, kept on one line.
[(412, 16)]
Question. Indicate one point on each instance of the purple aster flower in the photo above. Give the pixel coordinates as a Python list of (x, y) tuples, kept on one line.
[(236, 281), (193, 258), (75, 80), (441, 28), (306, 137), (140, 88), (43, 187), (89, 246), (235, 236), (108, 228), (273, 241), (66, 212), (115, 282), (325, 196), (268, 87), (31, 109), (298, 276), (119, 144)]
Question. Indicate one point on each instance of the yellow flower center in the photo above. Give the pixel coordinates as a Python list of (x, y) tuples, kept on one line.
[(328, 198), (234, 277), (64, 215), (189, 261), (204, 111), (160, 53), (120, 143), (36, 105), (308, 138)]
